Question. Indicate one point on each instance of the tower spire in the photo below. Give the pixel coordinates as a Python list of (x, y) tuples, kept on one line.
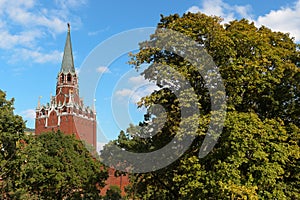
[(67, 64)]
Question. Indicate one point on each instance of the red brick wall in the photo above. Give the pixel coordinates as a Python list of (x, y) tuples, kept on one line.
[(84, 130), (121, 181)]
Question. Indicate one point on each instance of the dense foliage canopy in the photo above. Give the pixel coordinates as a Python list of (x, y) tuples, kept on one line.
[(11, 133), (257, 155)]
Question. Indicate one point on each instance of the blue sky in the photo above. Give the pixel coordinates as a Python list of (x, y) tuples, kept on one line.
[(33, 33)]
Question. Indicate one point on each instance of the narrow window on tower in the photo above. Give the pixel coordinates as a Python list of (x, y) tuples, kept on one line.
[(62, 78), (69, 78)]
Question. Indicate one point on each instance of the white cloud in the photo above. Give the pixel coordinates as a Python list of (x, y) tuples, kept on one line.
[(124, 92), (194, 9), (70, 3), (138, 80), (25, 24), (103, 69), (130, 95), (135, 94), (100, 146), (32, 15), (285, 19), (221, 9), (28, 114), (36, 56), (244, 11), (134, 88), (10, 41), (215, 7), (142, 92)]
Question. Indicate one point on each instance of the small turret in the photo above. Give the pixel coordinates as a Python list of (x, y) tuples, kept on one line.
[(39, 103)]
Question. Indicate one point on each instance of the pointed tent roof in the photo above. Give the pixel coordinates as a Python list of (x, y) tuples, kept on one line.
[(67, 64)]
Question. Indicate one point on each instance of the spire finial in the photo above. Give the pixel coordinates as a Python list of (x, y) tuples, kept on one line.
[(69, 27), (39, 102), (94, 106)]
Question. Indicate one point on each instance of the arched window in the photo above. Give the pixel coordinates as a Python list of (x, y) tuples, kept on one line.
[(69, 77), (62, 78)]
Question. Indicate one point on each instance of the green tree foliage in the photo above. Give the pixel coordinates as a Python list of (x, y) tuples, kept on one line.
[(113, 193), (257, 155), (11, 133), (56, 166)]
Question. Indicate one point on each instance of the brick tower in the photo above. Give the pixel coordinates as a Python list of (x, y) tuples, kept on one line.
[(66, 111)]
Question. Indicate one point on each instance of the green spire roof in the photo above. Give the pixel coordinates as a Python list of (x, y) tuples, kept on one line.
[(67, 64)]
